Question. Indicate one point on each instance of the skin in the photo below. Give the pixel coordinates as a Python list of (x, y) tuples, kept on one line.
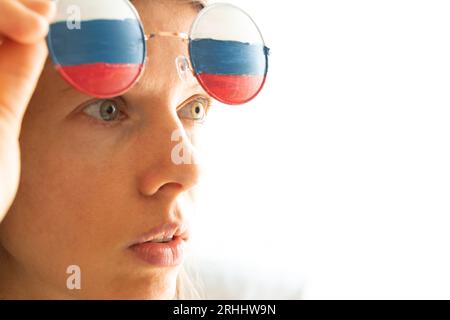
[(89, 188)]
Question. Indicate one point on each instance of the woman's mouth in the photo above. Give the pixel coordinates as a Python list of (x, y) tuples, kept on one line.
[(163, 247)]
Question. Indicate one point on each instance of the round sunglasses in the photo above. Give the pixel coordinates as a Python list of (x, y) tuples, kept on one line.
[(100, 48)]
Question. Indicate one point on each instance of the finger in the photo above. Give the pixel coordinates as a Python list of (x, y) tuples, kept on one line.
[(45, 8), (20, 68), (20, 23)]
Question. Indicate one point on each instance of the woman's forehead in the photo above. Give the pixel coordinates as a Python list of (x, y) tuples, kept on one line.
[(170, 15), (196, 4)]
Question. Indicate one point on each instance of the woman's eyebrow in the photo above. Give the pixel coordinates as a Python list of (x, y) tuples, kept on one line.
[(66, 88), (197, 87)]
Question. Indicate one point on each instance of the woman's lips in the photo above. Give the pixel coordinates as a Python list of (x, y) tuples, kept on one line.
[(167, 254), (150, 248)]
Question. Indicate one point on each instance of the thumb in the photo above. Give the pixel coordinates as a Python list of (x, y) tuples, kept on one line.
[(22, 58), (20, 68)]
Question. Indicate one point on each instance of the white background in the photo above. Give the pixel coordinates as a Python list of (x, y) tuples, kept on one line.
[(336, 178)]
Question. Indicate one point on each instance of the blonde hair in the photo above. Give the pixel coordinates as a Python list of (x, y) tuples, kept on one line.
[(189, 285)]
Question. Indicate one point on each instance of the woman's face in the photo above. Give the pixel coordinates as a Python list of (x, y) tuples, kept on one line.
[(94, 179)]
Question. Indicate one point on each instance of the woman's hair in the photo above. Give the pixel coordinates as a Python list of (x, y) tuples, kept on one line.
[(189, 285)]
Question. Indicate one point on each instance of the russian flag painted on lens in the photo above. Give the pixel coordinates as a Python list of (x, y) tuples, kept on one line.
[(98, 46), (228, 54)]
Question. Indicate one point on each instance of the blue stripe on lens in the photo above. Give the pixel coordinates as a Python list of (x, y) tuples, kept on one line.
[(228, 57), (107, 41)]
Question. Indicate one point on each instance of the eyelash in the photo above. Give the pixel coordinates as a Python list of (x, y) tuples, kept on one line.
[(122, 106)]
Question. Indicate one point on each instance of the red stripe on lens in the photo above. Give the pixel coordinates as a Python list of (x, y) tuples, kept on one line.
[(102, 80), (232, 89)]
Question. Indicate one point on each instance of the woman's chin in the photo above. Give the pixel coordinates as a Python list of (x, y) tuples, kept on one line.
[(159, 285)]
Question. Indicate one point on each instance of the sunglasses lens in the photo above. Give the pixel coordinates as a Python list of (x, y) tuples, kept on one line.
[(98, 46), (228, 54)]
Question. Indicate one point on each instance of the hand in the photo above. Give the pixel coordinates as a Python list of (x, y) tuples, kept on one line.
[(23, 51)]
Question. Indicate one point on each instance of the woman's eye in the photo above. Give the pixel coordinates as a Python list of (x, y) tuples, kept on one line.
[(195, 110), (104, 110)]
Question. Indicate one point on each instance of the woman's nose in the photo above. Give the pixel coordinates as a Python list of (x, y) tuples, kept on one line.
[(170, 164)]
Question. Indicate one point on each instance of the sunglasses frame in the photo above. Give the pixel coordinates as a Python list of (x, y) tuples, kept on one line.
[(189, 63)]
